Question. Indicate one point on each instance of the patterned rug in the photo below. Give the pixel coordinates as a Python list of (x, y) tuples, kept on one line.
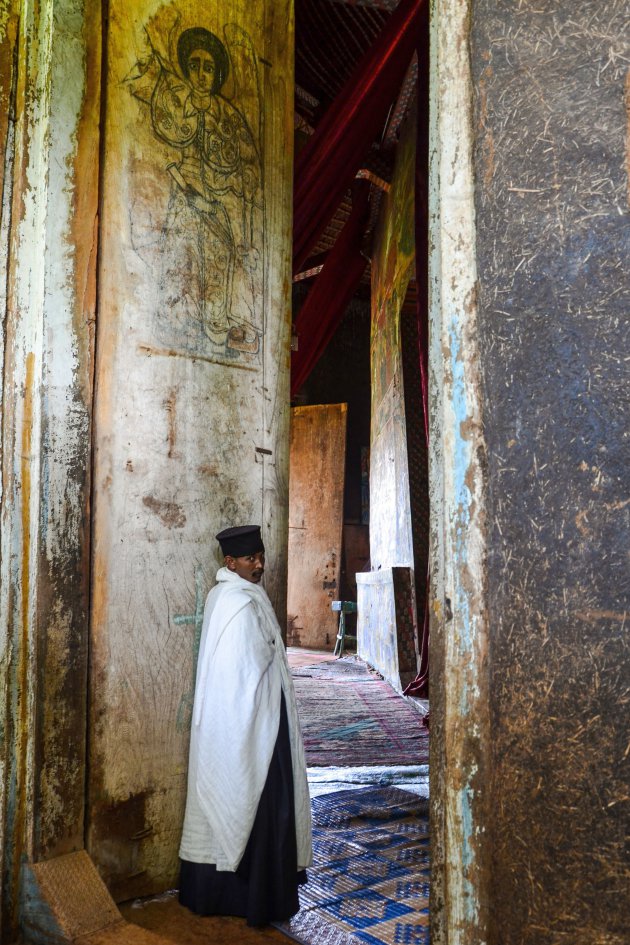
[(370, 879), (350, 716), (348, 667)]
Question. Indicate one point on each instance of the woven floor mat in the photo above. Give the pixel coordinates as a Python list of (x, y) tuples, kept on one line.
[(358, 722), (367, 806), (346, 667), (370, 879)]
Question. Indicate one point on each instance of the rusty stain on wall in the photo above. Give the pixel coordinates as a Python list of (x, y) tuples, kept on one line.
[(170, 513), (170, 406)]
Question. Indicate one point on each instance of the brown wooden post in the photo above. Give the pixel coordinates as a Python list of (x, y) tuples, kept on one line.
[(50, 96), (191, 403)]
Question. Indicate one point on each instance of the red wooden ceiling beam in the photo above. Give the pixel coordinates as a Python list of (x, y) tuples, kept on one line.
[(329, 160)]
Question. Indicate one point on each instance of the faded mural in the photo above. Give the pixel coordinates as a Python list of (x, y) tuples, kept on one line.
[(392, 267), (385, 593), (201, 96), (190, 378)]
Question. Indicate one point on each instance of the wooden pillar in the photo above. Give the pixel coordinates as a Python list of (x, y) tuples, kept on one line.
[(529, 297), (190, 299), (191, 403), (459, 715), (380, 636), (50, 100)]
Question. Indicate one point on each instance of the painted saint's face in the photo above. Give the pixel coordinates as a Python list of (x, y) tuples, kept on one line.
[(201, 70)]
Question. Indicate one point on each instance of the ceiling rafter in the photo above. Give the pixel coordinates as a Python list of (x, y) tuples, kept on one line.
[(388, 5)]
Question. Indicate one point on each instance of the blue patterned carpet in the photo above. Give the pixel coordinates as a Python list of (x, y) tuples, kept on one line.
[(370, 878)]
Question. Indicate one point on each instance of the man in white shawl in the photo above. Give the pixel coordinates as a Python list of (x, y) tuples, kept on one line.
[(247, 830)]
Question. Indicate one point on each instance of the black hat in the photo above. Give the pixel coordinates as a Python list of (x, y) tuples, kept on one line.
[(242, 540)]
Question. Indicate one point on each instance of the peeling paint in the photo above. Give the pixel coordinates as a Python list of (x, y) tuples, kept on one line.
[(46, 405), (458, 627)]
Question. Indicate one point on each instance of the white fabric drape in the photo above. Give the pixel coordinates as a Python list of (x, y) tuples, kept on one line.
[(241, 672)]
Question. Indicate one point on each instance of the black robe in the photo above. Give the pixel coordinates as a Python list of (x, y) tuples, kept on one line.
[(264, 888)]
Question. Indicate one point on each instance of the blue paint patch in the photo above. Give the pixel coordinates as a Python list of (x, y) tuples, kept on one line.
[(468, 858), (184, 712), (462, 456)]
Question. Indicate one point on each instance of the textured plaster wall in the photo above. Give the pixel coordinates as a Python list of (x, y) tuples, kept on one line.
[(553, 245)]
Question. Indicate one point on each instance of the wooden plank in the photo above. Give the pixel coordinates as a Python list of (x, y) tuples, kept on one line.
[(8, 79), (316, 485), (356, 553), (192, 380), (461, 895), (49, 201)]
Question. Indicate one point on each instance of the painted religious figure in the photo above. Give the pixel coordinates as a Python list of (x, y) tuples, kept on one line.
[(210, 289)]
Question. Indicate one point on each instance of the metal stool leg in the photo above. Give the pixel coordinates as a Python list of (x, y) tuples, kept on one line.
[(340, 635)]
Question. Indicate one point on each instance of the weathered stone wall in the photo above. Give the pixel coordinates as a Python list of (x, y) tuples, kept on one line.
[(553, 245)]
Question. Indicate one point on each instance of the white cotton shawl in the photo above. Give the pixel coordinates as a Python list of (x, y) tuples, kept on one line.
[(241, 672)]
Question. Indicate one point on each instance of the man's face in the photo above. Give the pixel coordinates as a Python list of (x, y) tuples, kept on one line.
[(201, 70), (249, 567)]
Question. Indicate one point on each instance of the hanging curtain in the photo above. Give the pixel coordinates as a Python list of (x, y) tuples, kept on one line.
[(420, 685), (332, 290), (329, 161)]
